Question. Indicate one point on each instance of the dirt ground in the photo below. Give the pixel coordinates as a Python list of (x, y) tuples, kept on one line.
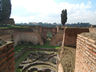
[(68, 59)]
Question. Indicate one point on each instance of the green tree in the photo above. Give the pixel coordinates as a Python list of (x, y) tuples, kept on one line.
[(64, 17), (5, 9), (49, 35)]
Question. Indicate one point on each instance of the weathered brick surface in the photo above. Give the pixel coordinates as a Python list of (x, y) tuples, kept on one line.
[(7, 58), (5, 34), (70, 36), (93, 30), (85, 53)]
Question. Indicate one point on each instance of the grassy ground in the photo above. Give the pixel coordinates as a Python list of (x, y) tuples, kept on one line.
[(29, 45), (18, 61)]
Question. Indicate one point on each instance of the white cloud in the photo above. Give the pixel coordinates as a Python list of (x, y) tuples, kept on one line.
[(47, 9)]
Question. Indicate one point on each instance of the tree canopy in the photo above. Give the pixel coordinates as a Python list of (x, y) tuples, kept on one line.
[(5, 9)]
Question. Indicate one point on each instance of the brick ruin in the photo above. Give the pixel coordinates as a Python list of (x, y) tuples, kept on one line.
[(70, 36), (7, 57), (6, 33), (85, 59), (85, 50)]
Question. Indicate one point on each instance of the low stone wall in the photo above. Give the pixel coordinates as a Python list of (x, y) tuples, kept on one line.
[(7, 63), (86, 53)]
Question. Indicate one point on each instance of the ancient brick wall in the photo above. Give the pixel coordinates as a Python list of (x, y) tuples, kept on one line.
[(70, 36), (92, 30), (38, 29), (33, 37), (7, 58), (86, 53)]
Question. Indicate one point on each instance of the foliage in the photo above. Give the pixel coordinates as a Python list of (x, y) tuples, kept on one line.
[(18, 70), (49, 35), (64, 17), (50, 25), (5, 10), (79, 25), (6, 26)]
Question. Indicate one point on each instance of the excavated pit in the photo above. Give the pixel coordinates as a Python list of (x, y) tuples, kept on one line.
[(40, 61), (46, 60)]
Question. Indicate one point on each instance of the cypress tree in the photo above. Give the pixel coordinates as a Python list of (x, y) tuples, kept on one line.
[(64, 17)]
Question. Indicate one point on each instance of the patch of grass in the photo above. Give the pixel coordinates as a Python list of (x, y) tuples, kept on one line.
[(29, 45), (18, 61), (18, 70), (20, 47)]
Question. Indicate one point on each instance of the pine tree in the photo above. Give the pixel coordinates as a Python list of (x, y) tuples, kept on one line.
[(64, 17), (5, 9)]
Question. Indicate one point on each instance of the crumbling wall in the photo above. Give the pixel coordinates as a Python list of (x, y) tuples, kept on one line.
[(92, 30), (7, 63), (70, 36), (86, 53), (36, 29), (32, 37), (45, 30), (21, 35)]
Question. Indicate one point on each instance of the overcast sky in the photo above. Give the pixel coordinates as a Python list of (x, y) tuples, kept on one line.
[(50, 10)]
